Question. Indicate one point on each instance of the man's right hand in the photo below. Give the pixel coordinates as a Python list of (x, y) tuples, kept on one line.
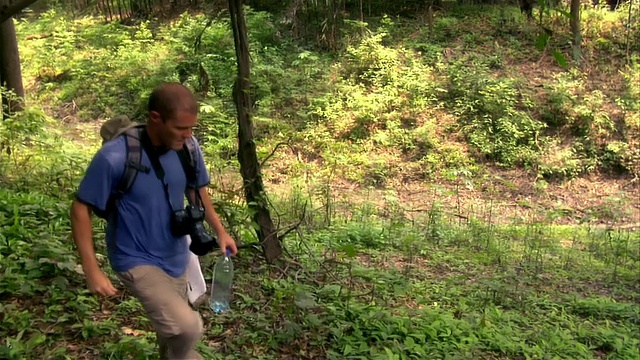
[(97, 282), (100, 284)]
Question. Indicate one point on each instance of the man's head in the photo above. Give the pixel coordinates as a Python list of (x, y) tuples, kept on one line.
[(173, 112)]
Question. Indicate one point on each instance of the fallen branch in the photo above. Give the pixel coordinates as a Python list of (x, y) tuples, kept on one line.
[(439, 210), (295, 226), (40, 36)]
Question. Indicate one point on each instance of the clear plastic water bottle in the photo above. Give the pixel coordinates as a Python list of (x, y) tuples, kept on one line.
[(221, 283)]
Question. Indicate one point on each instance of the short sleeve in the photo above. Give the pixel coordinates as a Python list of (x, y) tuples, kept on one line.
[(202, 174), (95, 188)]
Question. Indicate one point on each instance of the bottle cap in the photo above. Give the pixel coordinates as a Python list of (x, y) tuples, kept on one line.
[(228, 252)]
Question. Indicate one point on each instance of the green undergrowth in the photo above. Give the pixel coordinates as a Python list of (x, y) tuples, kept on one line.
[(36, 154), (367, 283), (364, 288)]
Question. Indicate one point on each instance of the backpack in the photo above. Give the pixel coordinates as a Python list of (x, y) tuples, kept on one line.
[(122, 126)]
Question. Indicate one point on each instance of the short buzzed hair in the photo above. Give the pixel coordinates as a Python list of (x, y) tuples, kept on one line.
[(169, 98)]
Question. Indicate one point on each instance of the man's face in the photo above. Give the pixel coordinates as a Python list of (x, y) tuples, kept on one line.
[(173, 131)]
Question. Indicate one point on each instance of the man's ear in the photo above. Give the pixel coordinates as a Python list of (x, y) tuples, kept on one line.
[(155, 117)]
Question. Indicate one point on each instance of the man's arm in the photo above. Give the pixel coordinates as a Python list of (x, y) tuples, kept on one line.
[(82, 233), (211, 217)]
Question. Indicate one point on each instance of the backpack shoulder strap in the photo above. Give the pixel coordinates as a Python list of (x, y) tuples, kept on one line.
[(133, 162), (190, 145), (188, 157)]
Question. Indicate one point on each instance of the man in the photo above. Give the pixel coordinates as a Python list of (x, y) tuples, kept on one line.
[(146, 257)]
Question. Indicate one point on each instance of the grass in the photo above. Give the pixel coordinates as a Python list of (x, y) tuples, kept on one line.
[(449, 269), (364, 288)]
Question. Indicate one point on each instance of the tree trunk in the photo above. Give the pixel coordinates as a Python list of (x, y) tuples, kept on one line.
[(8, 9), (575, 30), (628, 40), (107, 5), (10, 72), (136, 8), (120, 9), (247, 156)]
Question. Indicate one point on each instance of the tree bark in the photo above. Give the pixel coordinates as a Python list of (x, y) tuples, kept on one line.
[(10, 72), (7, 10), (628, 40), (249, 167), (575, 30)]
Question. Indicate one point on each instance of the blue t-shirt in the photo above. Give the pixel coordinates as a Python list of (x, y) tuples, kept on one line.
[(143, 235)]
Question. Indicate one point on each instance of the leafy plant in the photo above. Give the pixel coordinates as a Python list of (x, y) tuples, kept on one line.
[(493, 115)]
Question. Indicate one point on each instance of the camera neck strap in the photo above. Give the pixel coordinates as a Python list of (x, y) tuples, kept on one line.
[(154, 153)]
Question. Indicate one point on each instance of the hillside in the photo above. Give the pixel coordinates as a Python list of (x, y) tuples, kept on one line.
[(403, 107)]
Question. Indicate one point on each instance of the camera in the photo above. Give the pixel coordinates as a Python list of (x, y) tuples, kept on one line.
[(188, 221)]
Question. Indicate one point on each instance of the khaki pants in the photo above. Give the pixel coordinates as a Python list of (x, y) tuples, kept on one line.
[(164, 298)]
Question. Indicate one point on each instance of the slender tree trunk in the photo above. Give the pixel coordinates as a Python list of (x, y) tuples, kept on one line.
[(628, 40), (109, 9), (575, 30), (10, 72), (247, 156), (120, 8), (294, 11), (101, 11)]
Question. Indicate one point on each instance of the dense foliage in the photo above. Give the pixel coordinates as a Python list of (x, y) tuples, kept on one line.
[(445, 103), (388, 105)]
